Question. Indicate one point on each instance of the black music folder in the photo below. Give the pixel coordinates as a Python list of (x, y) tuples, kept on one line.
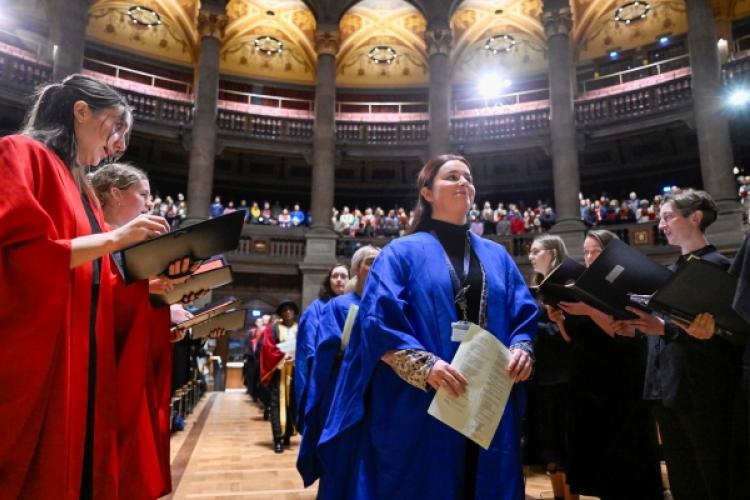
[(209, 276), (699, 287), (552, 289), (208, 313), (619, 271), (199, 241), (229, 321)]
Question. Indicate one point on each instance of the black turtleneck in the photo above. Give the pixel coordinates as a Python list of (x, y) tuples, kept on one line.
[(453, 239)]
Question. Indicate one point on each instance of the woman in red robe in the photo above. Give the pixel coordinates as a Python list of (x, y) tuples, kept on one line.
[(143, 347), (58, 433)]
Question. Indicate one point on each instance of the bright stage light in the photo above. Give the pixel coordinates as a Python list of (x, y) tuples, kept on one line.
[(739, 97), (492, 85)]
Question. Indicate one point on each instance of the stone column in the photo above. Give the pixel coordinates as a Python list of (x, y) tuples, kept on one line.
[(557, 27), (67, 32), (438, 51), (711, 125), (211, 24), (320, 248)]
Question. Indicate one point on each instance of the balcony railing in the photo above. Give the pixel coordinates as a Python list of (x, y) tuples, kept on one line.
[(639, 73), (153, 101)]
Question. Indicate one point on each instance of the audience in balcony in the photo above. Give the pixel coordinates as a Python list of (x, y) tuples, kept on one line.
[(512, 219)]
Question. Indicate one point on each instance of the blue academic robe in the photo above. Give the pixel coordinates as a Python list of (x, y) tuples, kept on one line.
[(306, 339), (322, 382), (378, 441)]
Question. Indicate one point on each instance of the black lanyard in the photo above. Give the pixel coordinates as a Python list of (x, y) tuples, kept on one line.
[(461, 287)]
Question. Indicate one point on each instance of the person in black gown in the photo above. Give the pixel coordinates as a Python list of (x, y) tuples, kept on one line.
[(613, 448)]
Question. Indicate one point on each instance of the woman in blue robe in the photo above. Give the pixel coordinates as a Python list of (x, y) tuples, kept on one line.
[(379, 442), (332, 286), (325, 363)]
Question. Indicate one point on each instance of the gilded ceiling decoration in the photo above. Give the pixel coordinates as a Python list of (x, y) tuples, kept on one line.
[(382, 41), (511, 27), (398, 28), (173, 40), (603, 33), (289, 22)]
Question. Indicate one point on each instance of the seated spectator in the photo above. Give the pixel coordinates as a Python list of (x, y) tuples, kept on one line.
[(625, 215), (641, 214), (216, 208), (255, 213), (591, 215), (265, 215), (346, 220), (633, 202), (547, 218), (243, 206), (476, 225), (474, 212), (229, 208), (285, 220), (517, 224), (502, 228), (297, 215), (488, 217), (611, 212)]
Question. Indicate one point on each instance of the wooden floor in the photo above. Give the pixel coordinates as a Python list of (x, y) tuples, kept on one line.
[(225, 452)]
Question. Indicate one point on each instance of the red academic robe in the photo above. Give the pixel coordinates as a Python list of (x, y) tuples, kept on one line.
[(161, 389), (136, 436), (45, 310), (270, 355)]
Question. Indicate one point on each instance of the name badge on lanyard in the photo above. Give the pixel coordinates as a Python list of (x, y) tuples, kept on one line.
[(459, 330)]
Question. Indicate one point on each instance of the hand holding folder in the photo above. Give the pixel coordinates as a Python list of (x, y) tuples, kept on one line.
[(198, 242)]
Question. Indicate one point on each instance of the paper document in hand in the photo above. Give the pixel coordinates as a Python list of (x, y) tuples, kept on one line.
[(346, 333), (483, 360), (288, 346)]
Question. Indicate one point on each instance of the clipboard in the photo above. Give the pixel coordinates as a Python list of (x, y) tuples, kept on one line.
[(229, 321), (199, 241), (208, 313), (619, 271), (679, 299), (209, 276)]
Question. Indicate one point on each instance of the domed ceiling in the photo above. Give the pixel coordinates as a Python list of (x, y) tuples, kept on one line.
[(382, 41)]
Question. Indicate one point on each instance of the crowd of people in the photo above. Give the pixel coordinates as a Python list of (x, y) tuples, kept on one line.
[(374, 222)]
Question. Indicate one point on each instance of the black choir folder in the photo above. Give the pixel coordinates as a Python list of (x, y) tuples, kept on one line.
[(228, 321), (208, 313), (199, 241), (553, 290), (619, 271), (209, 276), (699, 287)]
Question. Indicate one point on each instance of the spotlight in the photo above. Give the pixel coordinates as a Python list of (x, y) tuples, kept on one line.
[(664, 41), (614, 55), (739, 97), (491, 85), (256, 313)]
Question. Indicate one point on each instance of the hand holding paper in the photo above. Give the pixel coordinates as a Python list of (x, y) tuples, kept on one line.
[(476, 413)]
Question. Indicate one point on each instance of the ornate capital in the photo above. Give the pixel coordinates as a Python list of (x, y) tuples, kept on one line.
[(438, 41), (211, 24), (327, 42), (557, 22)]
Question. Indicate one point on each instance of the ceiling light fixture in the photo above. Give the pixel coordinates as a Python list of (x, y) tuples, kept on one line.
[(144, 16), (268, 45), (382, 54), (499, 43), (632, 11)]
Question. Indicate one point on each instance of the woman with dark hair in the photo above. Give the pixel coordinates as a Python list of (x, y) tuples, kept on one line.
[(692, 380), (332, 286), (547, 416), (612, 443), (379, 441), (55, 294), (325, 364)]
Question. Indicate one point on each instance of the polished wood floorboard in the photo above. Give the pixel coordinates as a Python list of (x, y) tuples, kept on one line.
[(225, 453)]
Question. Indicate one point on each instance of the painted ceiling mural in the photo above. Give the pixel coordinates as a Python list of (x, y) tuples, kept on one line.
[(597, 32), (503, 37), (174, 40), (382, 45), (382, 41), (270, 40)]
